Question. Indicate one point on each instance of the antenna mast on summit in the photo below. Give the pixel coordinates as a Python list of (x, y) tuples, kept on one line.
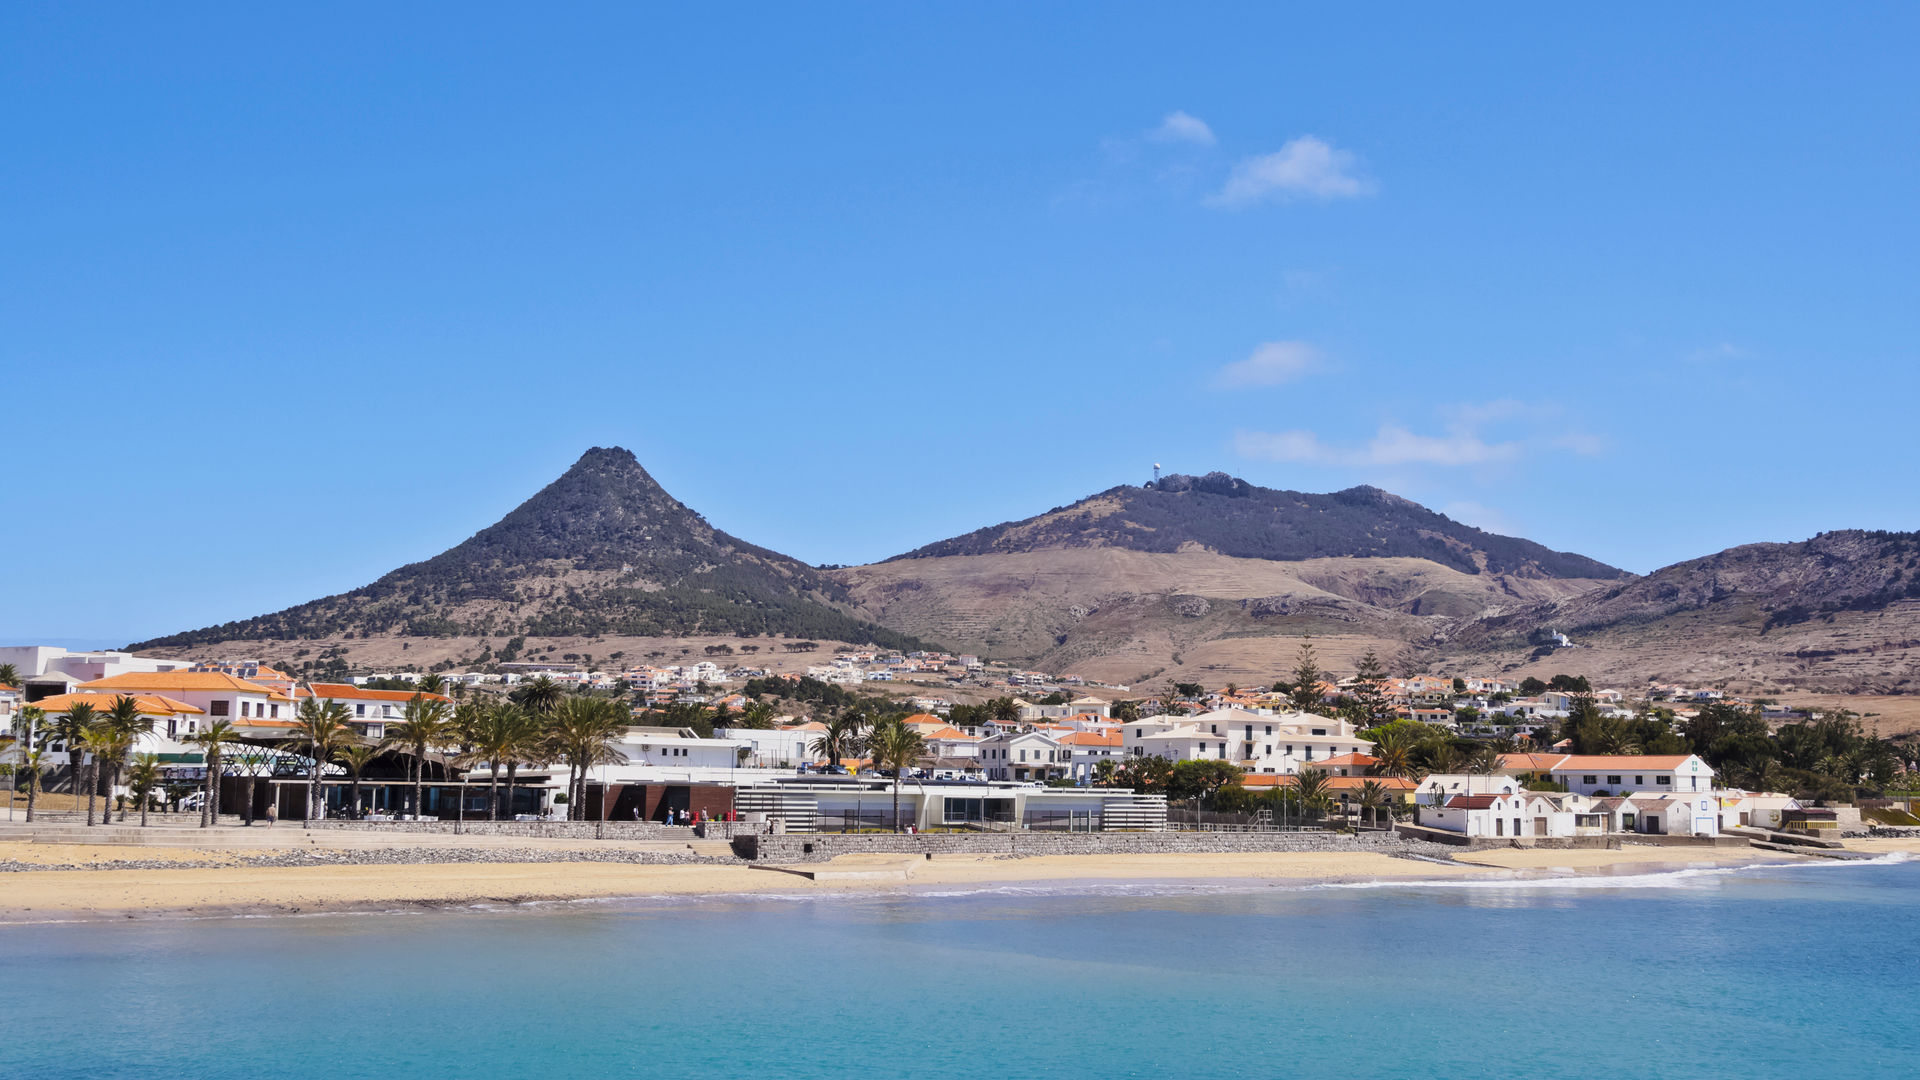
[(1156, 472)]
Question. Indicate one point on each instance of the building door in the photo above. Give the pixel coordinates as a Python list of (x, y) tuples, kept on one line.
[(1539, 826)]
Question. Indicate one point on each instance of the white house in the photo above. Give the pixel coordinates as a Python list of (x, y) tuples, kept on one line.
[(370, 711), (1518, 815), (1089, 749), (1437, 788), (1024, 755), (255, 710), (1624, 774), (1754, 809)]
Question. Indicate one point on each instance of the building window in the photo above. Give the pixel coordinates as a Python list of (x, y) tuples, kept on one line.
[(1663, 779), (359, 710), (276, 711), (1638, 780), (218, 708), (1613, 780), (1589, 779)]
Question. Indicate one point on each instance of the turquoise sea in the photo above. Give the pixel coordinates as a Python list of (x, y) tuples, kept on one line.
[(1806, 971)]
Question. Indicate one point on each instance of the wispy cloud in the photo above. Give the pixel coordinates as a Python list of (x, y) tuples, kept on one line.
[(1721, 353), (1271, 364), (1391, 445), (1474, 434), (1181, 126), (1305, 168), (1480, 517)]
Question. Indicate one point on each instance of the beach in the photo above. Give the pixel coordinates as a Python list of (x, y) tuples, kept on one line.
[(213, 881)]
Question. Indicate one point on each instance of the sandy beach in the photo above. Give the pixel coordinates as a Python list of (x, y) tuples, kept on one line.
[(230, 887)]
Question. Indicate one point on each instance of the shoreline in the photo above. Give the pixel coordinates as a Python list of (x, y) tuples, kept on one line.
[(41, 897)]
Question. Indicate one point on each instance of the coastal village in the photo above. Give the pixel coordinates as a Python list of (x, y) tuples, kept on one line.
[(916, 744)]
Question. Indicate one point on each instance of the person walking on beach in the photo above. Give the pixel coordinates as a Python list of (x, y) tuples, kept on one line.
[(270, 815)]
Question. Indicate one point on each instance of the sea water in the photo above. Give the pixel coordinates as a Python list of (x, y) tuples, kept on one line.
[(1807, 971)]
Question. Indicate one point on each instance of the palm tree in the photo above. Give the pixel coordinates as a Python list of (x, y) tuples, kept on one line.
[(320, 727), (142, 779), (423, 724), (541, 695), (834, 743), (72, 728), (1484, 761), (33, 761), (1373, 794), (356, 756), (895, 746), (107, 745), (9, 676), (531, 747), (431, 684), (582, 732), (213, 741), (1311, 787), (1444, 757), (124, 717), (757, 716), (1004, 711), (1393, 754), (502, 733)]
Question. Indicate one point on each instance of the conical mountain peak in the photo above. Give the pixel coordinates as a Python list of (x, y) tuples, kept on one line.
[(603, 549)]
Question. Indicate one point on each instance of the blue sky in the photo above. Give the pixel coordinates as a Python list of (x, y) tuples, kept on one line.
[(291, 297)]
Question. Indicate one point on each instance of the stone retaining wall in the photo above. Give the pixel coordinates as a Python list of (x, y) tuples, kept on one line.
[(818, 847), (550, 830)]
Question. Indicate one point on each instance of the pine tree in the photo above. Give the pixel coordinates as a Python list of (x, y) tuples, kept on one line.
[(1369, 690), (1306, 679)]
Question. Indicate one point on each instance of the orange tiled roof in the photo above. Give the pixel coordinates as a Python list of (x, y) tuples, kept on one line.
[(350, 692), (1092, 738), (1602, 762), (150, 704), (137, 681)]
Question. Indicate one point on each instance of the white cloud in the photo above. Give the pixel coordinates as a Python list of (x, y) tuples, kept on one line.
[(1479, 516), (1724, 352), (1181, 126), (1271, 364), (1306, 167), (1391, 445), (1579, 442)]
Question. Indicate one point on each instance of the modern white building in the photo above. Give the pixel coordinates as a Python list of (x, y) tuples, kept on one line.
[(774, 748), (1258, 742)]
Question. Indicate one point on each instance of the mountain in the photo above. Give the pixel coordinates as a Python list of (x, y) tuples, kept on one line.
[(1231, 517), (1212, 574), (603, 550), (1839, 612)]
